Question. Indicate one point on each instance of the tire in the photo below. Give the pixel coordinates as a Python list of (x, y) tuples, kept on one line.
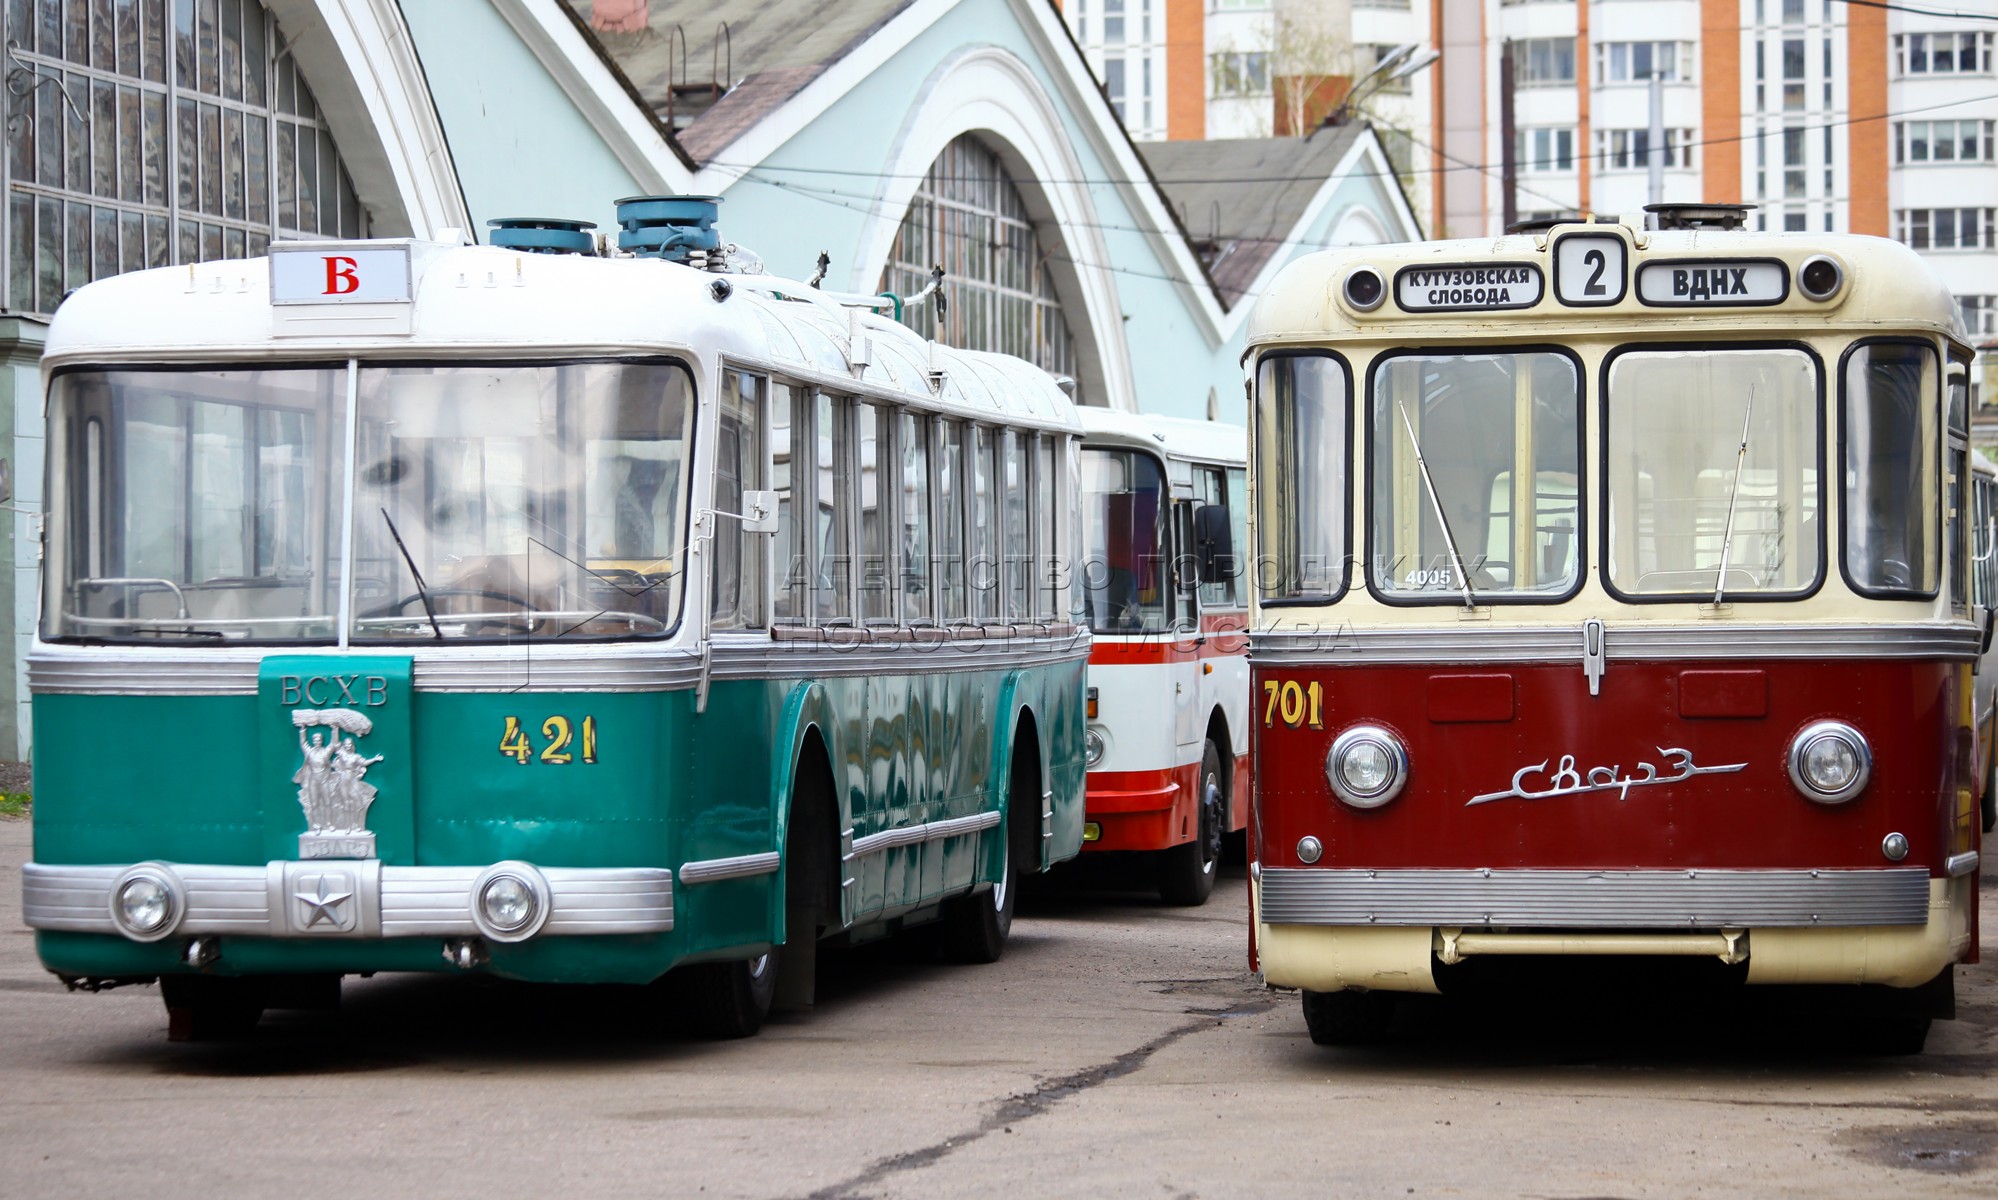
[(1187, 871), (730, 999), (1348, 1018), (211, 1008), (974, 927)]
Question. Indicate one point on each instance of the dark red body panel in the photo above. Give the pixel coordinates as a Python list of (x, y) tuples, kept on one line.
[(1462, 742)]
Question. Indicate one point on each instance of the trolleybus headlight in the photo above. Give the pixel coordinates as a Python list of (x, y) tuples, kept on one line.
[(1820, 277), (510, 902), (1093, 748), (1365, 289), (146, 903), (1830, 762), (1366, 766)]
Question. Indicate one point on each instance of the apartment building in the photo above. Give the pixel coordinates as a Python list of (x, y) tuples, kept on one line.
[(1827, 115)]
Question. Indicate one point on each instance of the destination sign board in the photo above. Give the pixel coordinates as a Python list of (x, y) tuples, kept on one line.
[(1713, 283), (1468, 287), (333, 274), (1588, 269)]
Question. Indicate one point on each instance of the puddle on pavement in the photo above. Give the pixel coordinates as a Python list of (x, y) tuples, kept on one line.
[(1953, 1147)]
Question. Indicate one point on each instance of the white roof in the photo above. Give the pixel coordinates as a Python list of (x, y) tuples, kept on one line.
[(1174, 437), (482, 301)]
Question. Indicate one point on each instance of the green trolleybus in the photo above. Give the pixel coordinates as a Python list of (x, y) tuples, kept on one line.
[(533, 610)]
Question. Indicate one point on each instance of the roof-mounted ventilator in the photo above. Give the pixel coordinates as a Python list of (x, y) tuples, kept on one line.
[(543, 235), (678, 229), (1698, 216)]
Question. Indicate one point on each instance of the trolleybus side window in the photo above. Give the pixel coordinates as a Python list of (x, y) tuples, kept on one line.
[(1238, 519), (1957, 388), (790, 425), (1210, 487), (1890, 416), (982, 563), (1711, 455), (950, 521), (521, 500), (918, 600), (1492, 442), (833, 502), (738, 555), (195, 504), (1048, 571), (1984, 538), (1015, 468), (1302, 423), (1126, 577), (873, 434)]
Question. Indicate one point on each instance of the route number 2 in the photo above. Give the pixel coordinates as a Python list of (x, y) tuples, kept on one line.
[(1298, 704), (561, 735)]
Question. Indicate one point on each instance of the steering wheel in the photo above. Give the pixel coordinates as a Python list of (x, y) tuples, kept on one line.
[(399, 606)]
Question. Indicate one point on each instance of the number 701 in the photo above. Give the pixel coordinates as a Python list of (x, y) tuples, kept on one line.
[(1298, 704)]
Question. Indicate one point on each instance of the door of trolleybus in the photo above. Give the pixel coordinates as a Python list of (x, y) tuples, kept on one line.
[(404, 636), (1617, 602), (1163, 510)]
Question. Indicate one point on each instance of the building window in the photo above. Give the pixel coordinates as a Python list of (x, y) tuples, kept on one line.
[(1793, 74), (1367, 56), (1113, 84), (1543, 150), (140, 137), (1239, 74), (1945, 228), (1794, 222), (1543, 62), (969, 217), (1965, 53), (1980, 314), (1943, 141), (1113, 22), (1635, 62), (1630, 149)]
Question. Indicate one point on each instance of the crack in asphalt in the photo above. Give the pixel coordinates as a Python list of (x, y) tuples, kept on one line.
[(1027, 1105)]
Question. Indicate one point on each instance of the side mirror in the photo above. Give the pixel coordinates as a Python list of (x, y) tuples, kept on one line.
[(1214, 541), (759, 512)]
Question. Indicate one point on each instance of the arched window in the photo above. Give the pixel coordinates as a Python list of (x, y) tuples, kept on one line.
[(969, 217), (153, 132)]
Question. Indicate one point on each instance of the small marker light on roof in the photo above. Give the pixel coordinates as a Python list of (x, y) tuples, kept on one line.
[(1820, 277), (1365, 289)]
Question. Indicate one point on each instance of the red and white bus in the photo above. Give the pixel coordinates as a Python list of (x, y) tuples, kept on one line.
[(1616, 602), (1164, 504)]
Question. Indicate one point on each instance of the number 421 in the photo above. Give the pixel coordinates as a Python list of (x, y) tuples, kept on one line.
[(561, 734)]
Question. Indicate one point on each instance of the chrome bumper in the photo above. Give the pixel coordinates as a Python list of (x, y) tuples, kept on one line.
[(328, 898), (1697, 899)]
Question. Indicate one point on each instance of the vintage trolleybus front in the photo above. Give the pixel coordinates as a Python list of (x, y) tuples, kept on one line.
[(414, 606), (1613, 600), (1163, 501)]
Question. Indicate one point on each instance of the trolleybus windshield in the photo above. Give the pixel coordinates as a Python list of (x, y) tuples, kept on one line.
[(1682, 493), (1125, 535), (489, 501)]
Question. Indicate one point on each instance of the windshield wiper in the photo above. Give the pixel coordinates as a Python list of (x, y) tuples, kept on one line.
[(1429, 485), (422, 593), (1733, 490)]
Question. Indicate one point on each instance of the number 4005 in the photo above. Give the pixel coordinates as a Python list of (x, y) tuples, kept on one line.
[(561, 735), (1299, 704)]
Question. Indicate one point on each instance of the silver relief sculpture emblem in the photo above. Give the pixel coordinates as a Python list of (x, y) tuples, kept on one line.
[(1565, 780), (331, 785)]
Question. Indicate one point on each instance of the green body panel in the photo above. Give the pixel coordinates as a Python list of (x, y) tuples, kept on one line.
[(668, 786)]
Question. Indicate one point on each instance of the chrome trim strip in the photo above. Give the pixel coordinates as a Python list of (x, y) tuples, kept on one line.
[(1961, 864), (1595, 899), (810, 659), (711, 870), (124, 671), (911, 835), (1564, 644), (389, 901)]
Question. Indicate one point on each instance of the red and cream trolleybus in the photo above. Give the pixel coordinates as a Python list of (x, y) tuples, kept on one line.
[(1614, 600), (1163, 500)]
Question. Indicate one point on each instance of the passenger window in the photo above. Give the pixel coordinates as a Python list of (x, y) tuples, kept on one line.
[(918, 603), (790, 429), (1019, 535), (871, 434), (949, 573), (1210, 487), (984, 558), (1890, 457), (1048, 570), (739, 555), (833, 498)]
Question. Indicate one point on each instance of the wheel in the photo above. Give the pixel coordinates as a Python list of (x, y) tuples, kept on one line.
[(1186, 872), (974, 927), (1347, 1018), (211, 1008), (729, 999)]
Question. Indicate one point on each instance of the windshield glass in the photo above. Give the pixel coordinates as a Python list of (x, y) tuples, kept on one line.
[(1682, 493), (1124, 551), (195, 505), (520, 500), (1500, 436), (533, 501)]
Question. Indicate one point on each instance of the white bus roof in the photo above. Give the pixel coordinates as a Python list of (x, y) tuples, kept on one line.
[(1886, 288), (1174, 437), (482, 301)]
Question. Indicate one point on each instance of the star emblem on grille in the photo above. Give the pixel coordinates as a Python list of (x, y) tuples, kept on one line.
[(322, 904)]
